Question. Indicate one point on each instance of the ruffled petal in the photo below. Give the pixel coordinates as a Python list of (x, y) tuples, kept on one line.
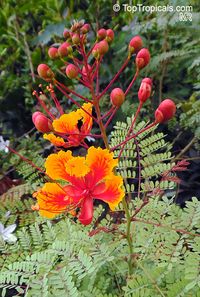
[(57, 141), (86, 119), (55, 165), (52, 200), (77, 167), (67, 123), (112, 193), (100, 162)]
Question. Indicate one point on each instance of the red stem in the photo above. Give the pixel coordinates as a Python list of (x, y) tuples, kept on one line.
[(132, 82), (69, 90), (114, 78), (110, 118), (108, 113), (77, 104)]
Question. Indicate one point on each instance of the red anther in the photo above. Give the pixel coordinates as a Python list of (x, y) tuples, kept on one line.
[(145, 89), (117, 97), (165, 111), (142, 58), (135, 44)]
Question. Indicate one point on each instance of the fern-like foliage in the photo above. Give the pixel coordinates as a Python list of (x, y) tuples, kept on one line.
[(144, 159), (60, 258)]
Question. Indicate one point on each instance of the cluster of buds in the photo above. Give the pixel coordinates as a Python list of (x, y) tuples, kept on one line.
[(83, 64)]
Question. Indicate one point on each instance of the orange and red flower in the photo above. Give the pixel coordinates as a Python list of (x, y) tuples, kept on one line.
[(67, 127), (87, 178)]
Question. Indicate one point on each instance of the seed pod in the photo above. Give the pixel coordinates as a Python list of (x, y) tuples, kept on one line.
[(117, 97), (165, 111)]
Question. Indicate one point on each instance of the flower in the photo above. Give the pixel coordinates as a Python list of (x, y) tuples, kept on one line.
[(4, 145), (87, 178), (6, 233), (73, 127)]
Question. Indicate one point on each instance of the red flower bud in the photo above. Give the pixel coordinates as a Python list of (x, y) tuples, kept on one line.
[(41, 122), (45, 72), (64, 49), (103, 47), (66, 33), (165, 111), (84, 71), (95, 51), (142, 58), (85, 29), (135, 44), (53, 52), (75, 38), (101, 34), (71, 71), (110, 35), (145, 89), (117, 97)]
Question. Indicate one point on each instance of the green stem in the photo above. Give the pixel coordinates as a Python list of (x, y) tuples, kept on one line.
[(128, 236)]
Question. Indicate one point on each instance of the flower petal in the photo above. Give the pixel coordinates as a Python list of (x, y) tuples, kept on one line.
[(57, 141), (113, 193), (86, 213), (77, 166), (52, 200), (101, 162), (55, 165), (67, 123), (86, 119)]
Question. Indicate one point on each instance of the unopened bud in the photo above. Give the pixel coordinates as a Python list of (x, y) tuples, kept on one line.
[(71, 71), (117, 97), (45, 72), (142, 58), (145, 89), (85, 29), (109, 35), (135, 44), (41, 122), (103, 47), (64, 49), (66, 34), (101, 34), (84, 71), (165, 111), (75, 39), (53, 52)]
